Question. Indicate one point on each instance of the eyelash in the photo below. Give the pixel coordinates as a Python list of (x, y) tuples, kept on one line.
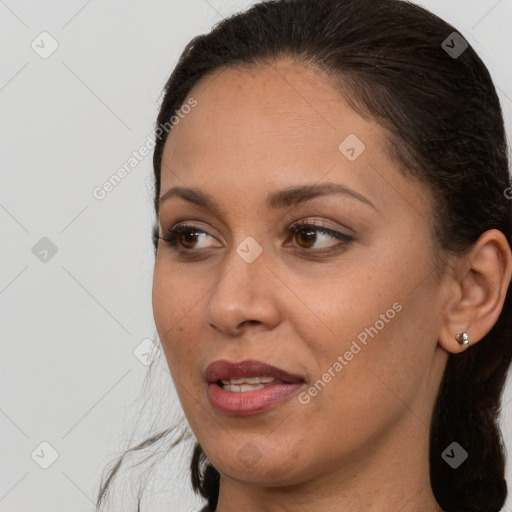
[(172, 236)]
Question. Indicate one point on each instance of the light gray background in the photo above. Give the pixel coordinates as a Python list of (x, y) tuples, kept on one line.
[(70, 325)]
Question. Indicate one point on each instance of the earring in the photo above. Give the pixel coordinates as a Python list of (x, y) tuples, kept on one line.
[(462, 338)]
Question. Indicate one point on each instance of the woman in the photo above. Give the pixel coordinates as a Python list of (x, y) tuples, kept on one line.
[(333, 261)]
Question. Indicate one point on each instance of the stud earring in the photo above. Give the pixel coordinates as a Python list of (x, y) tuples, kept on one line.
[(462, 338)]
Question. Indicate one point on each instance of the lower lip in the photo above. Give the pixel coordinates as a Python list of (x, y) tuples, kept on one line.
[(234, 403)]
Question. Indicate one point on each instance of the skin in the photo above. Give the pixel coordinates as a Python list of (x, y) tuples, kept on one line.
[(361, 443)]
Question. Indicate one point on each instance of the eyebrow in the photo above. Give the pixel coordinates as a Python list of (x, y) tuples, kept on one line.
[(277, 200)]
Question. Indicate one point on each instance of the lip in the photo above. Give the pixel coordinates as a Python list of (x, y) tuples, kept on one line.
[(224, 369), (249, 402)]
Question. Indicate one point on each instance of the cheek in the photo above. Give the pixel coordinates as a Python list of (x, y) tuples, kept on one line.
[(174, 305), (389, 378), (382, 324)]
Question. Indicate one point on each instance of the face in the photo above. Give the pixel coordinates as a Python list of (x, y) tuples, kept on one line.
[(334, 284)]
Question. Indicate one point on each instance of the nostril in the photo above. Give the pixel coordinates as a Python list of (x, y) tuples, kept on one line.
[(250, 322)]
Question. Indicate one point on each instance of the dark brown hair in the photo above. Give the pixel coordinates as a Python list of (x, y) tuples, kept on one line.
[(446, 129)]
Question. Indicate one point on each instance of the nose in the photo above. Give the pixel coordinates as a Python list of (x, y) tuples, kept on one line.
[(245, 294)]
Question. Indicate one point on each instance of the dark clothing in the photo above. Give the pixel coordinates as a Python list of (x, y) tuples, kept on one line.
[(206, 509)]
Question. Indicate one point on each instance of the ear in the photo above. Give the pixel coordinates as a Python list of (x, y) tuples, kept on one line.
[(477, 290)]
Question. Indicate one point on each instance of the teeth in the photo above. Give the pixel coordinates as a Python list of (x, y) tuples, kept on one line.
[(243, 387), (249, 380), (246, 383)]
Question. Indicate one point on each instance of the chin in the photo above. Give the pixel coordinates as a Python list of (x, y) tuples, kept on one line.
[(259, 462)]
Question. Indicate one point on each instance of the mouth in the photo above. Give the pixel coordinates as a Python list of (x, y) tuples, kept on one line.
[(248, 387), (245, 384), (249, 373)]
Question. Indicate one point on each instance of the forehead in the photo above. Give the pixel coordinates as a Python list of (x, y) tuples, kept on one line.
[(269, 126), (279, 107)]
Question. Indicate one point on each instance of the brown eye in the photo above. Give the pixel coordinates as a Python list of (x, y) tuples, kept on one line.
[(305, 237), (188, 238)]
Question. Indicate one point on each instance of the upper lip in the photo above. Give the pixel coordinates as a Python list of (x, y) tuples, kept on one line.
[(223, 369)]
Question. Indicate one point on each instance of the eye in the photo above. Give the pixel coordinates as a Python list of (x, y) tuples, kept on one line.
[(306, 236), (184, 236)]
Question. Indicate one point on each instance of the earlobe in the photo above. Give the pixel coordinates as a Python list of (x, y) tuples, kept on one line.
[(478, 292)]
